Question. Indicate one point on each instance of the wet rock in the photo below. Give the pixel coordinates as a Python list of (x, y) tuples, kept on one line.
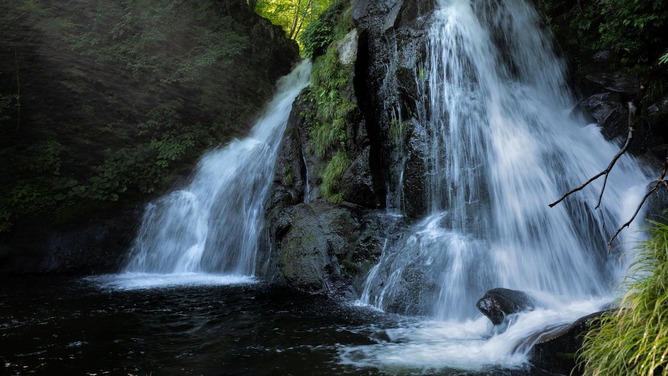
[(357, 182), (555, 349), (617, 82), (321, 248), (415, 190), (607, 111), (347, 48), (498, 303)]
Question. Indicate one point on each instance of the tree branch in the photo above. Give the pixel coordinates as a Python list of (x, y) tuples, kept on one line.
[(660, 181), (606, 172), (633, 109)]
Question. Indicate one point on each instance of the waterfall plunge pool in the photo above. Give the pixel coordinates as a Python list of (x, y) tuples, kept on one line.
[(112, 325)]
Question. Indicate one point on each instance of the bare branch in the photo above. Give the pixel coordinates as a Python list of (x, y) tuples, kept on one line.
[(660, 181), (606, 172), (629, 137)]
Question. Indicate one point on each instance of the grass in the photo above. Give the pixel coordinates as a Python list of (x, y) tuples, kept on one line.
[(634, 340)]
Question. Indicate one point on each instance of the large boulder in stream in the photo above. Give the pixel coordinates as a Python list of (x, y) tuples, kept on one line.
[(321, 248), (499, 303)]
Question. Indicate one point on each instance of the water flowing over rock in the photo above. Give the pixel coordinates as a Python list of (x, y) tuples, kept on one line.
[(215, 223), (501, 145)]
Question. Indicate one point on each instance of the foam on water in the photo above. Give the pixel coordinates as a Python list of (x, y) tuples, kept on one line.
[(143, 281)]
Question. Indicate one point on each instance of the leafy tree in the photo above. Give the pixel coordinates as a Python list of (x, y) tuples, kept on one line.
[(292, 15), (635, 28)]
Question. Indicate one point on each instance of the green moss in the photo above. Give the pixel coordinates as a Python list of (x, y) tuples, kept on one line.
[(634, 340), (331, 176)]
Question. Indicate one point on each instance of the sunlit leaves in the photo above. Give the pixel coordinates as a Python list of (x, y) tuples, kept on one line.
[(292, 15)]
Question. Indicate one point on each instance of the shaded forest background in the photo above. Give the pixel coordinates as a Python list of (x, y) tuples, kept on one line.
[(106, 104)]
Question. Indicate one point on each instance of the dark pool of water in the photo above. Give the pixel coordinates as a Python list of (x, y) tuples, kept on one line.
[(74, 327)]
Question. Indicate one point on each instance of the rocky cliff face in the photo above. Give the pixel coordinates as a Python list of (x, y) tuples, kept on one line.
[(103, 106), (385, 144), (325, 247)]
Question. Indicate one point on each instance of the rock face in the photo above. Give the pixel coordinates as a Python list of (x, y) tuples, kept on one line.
[(499, 303), (392, 45), (98, 246), (321, 248)]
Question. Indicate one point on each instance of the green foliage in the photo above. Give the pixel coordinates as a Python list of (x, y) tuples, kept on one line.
[(331, 176), (294, 16), (634, 340), (331, 90), (631, 28), (634, 27), (663, 59), (320, 33), (331, 94)]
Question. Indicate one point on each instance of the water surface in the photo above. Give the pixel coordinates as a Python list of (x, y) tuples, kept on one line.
[(58, 325)]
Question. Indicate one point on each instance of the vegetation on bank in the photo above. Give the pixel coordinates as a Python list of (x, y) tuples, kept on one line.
[(331, 93), (632, 31), (634, 339), (108, 103)]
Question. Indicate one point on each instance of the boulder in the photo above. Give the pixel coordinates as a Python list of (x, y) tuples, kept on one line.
[(498, 303), (555, 349), (321, 248)]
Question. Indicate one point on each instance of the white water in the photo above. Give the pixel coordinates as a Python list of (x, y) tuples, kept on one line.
[(213, 225), (504, 144)]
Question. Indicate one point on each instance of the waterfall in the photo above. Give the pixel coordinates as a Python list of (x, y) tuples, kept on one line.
[(503, 144), (213, 224)]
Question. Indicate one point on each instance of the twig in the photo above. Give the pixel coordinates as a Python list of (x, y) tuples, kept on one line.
[(606, 172), (659, 182), (629, 137)]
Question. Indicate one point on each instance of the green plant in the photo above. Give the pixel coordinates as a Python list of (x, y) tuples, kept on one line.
[(331, 88), (320, 33), (634, 339), (331, 176), (634, 27)]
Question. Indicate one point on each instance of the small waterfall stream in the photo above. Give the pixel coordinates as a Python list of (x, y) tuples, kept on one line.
[(503, 144), (213, 224)]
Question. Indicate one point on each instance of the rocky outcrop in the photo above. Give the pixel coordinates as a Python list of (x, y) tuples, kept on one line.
[(556, 348), (497, 304), (392, 46), (321, 248), (606, 102)]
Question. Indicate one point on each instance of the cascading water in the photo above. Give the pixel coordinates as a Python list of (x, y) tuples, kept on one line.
[(213, 224), (503, 145)]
